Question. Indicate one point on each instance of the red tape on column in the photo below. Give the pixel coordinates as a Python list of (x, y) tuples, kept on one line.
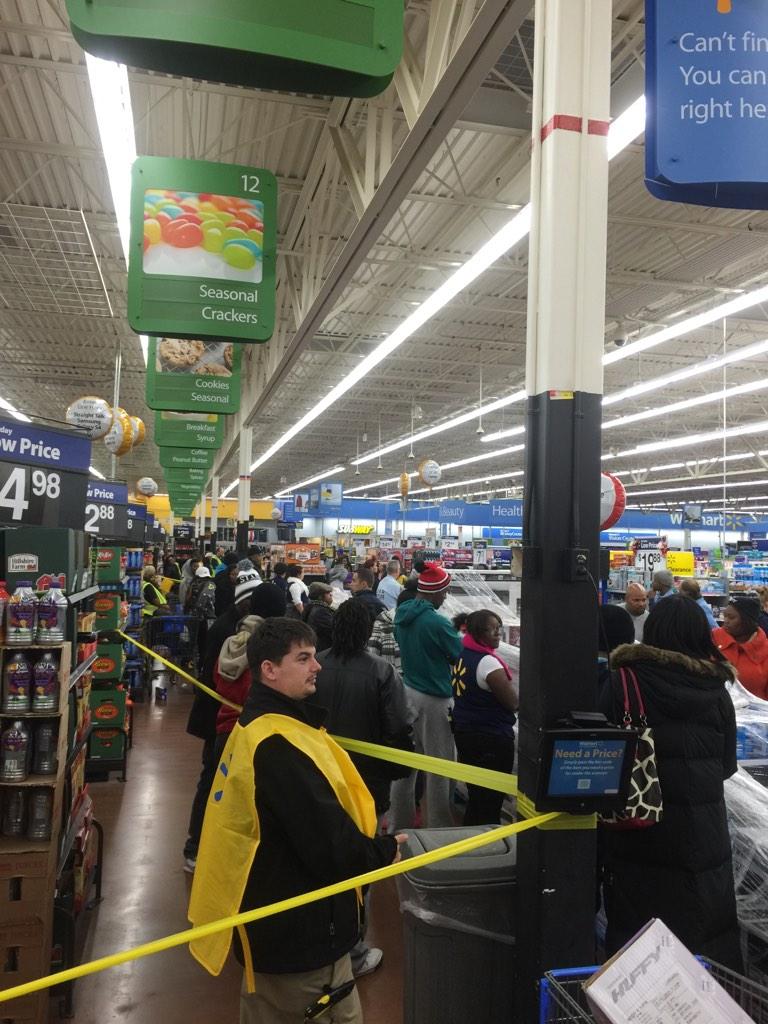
[(569, 123)]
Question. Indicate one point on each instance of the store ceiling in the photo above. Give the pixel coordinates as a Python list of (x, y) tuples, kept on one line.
[(63, 281)]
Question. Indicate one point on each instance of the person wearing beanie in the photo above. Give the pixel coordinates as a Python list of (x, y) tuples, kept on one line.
[(319, 613), (744, 644), (256, 598), (429, 647), (615, 627), (224, 579)]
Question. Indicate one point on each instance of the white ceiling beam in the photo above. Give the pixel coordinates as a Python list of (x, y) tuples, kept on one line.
[(351, 164), (439, 34), (408, 82)]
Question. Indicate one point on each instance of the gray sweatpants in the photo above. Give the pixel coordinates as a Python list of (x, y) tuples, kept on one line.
[(432, 735)]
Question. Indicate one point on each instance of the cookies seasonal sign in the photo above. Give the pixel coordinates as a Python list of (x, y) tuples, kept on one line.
[(203, 248), (190, 375)]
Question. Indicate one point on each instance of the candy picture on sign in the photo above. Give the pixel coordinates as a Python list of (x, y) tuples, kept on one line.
[(188, 374), (203, 235), (203, 248)]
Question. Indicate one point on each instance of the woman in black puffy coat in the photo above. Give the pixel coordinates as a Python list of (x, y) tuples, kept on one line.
[(679, 870)]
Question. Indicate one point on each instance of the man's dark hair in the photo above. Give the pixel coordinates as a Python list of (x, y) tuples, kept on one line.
[(406, 594), (279, 568), (274, 638), (678, 624), (230, 558), (365, 575), (419, 561), (294, 570), (352, 626)]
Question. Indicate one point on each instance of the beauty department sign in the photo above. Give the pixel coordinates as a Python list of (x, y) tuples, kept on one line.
[(203, 247), (707, 102)]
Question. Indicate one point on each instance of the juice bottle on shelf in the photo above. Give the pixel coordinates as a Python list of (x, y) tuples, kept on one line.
[(52, 616), (45, 683), (21, 616), (14, 753), (44, 759), (39, 818), (17, 683), (13, 813), (4, 599)]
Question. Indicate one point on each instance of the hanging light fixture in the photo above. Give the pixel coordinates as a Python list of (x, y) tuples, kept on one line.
[(379, 465), (410, 451), (357, 468), (480, 428), (365, 433)]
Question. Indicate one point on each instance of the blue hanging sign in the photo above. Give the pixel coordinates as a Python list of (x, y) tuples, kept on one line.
[(707, 102)]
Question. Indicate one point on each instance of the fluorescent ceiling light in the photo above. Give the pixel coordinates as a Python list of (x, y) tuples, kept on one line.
[(698, 487), (444, 466), (473, 480), (735, 356), (94, 472), (688, 403), (623, 130), (10, 408), (693, 323), (499, 435), (228, 490), (310, 480), (693, 439)]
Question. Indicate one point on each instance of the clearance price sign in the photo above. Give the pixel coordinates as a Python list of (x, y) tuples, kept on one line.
[(43, 476), (188, 430), (191, 375), (203, 248), (707, 102)]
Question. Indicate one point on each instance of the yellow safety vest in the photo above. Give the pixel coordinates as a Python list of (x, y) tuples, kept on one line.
[(231, 832), (149, 609)]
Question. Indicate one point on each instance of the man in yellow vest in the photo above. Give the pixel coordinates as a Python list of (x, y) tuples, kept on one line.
[(153, 596), (288, 813)]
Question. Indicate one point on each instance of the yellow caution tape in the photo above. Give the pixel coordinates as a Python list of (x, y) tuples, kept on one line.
[(498, 781), (191, 934)]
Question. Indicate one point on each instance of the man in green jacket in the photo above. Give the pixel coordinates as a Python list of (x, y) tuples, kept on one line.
[(429, 646)]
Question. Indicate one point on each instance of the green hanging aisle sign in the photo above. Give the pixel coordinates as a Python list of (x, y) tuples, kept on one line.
[(188, 430), (332, 47), (193, 376), (201, 263), (179, 458)]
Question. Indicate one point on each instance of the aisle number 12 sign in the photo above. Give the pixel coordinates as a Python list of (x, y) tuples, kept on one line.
[(203, 248)]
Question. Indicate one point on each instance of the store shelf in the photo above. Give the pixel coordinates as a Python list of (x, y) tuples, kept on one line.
[(19, 844), (30, 714), (83, 595), (81, 669), (33, 780), (79, 746), (32, 647)]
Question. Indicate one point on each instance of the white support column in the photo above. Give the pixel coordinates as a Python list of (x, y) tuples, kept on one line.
[(214, 506), (244, 487)]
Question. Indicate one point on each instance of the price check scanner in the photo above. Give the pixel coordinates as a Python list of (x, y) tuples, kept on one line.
[(585, 764)]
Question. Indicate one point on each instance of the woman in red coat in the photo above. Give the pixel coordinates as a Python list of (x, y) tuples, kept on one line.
[(744, 644)]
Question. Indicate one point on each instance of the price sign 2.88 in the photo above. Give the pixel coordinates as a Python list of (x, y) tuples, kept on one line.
[(96, 513), (106, 510)]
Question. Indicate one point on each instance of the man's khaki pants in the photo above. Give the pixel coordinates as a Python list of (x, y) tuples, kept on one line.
[(282, 998)]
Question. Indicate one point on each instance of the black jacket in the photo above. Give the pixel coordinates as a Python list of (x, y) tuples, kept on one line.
[(373, 604), (202, 715), (319, 616), (366, 701), (307, 841), (225, 591), (679, 870)]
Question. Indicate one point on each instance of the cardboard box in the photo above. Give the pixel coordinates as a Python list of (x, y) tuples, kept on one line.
[(21, 953), (109, 663), (109, 567), (24, 892), (108, 708), (108, 610), (106, 745)]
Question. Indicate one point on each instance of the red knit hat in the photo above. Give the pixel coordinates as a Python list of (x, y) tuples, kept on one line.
[(434, 579)]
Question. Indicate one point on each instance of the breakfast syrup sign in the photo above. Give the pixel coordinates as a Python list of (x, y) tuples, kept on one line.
[(707, 102), (203, 247)]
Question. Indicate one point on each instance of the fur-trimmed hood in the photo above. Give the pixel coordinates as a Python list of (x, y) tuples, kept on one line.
[(629, 654)]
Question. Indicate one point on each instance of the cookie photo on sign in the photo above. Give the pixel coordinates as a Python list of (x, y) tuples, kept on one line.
[(211, 358), (199, 234)]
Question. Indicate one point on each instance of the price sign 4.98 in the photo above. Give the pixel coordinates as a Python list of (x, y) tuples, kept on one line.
[(44, 497)]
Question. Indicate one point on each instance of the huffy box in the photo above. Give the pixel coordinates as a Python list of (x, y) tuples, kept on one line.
[(23, 886), (107, 608), (109, 567), (656, 978), (109, 662), (106, 745), (108, 708)]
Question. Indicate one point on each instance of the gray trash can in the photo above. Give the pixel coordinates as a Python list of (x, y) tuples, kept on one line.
[(459, 931)]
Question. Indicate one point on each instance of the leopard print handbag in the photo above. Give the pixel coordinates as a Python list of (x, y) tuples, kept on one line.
[(644, 805)]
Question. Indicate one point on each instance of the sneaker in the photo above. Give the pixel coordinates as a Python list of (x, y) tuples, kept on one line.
[(368, 963), (190, 863)]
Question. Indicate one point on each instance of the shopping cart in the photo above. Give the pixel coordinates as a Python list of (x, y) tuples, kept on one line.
[(173, 637), (562, 998)]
